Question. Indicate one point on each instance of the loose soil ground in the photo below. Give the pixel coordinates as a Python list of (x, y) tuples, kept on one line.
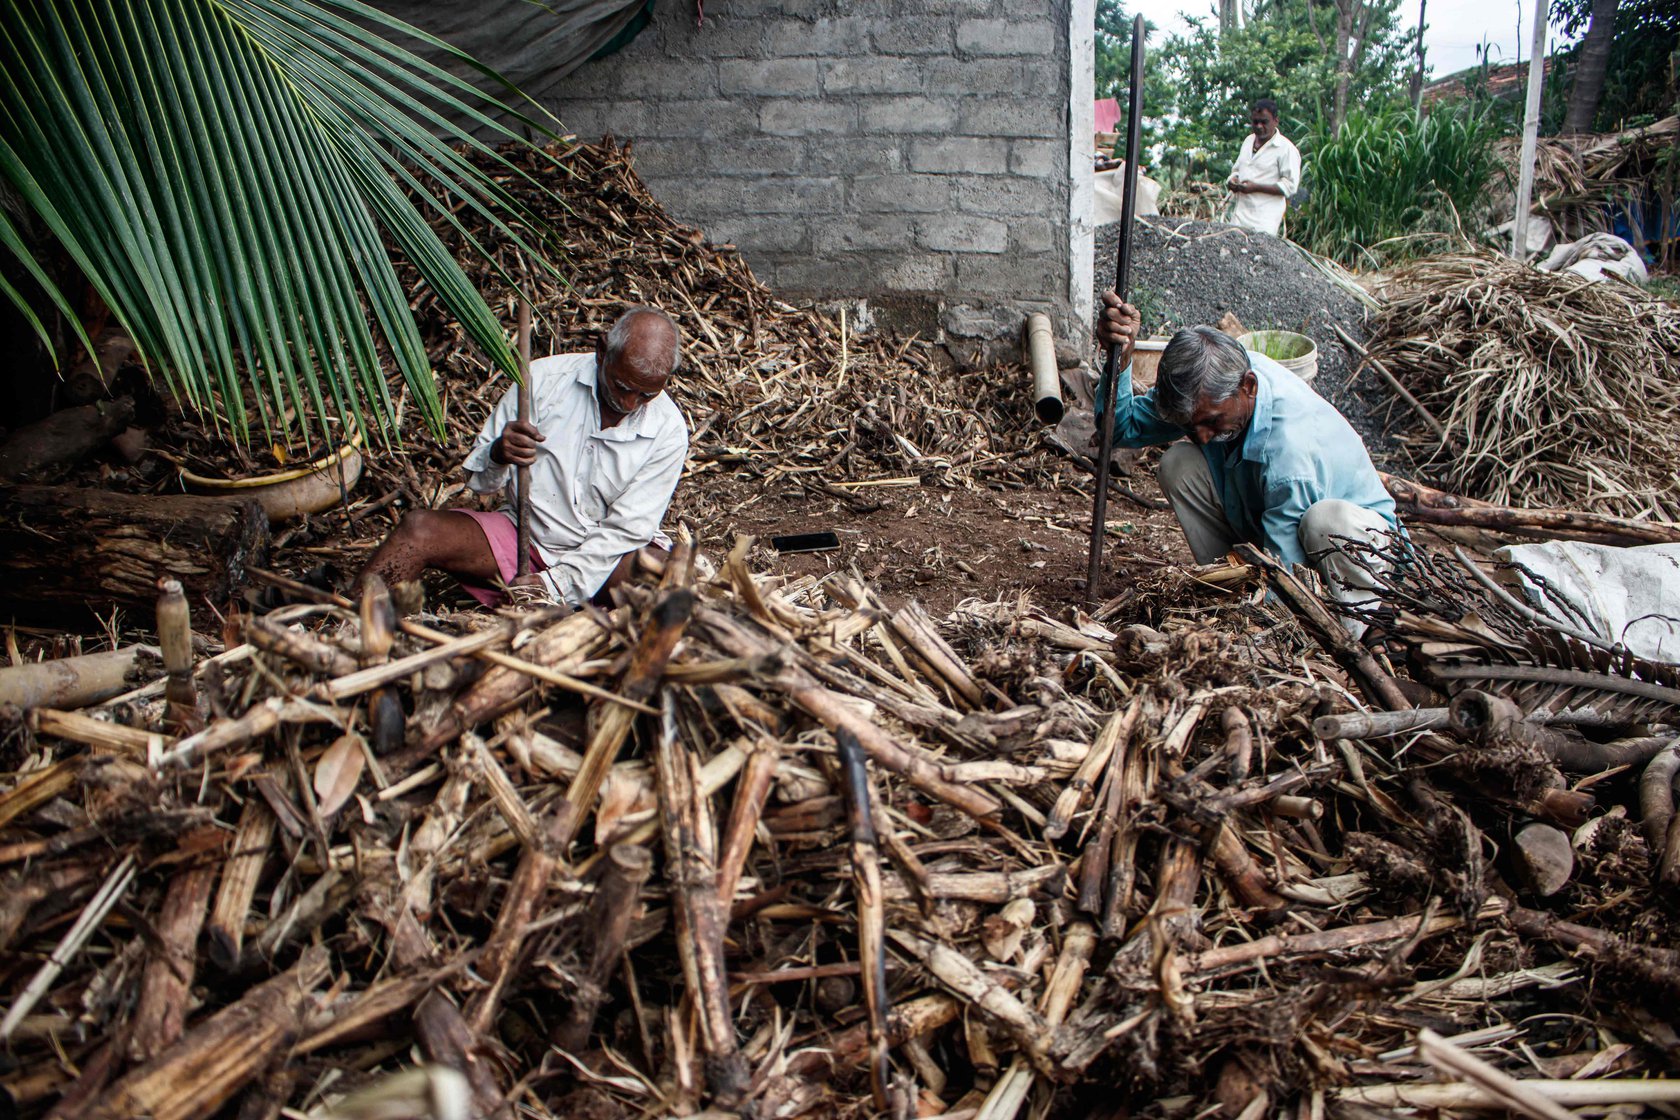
[(940, 546)]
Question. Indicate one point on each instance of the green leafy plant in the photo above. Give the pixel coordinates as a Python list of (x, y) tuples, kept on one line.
[(226, 175), (1396, 183)]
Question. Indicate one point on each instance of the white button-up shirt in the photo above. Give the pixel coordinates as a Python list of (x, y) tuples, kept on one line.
[(596, 493), (1276, 164)]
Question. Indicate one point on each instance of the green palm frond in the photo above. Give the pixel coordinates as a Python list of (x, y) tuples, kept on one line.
[(227, 173)]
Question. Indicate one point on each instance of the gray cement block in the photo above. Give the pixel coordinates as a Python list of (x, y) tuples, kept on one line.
[(731, 34), (909, 193), (913, 272), (911, 35), (855, 155), (1011, 116), (710, 121), (967, 77), (775, 77), (960, 153), (757, 156), (686, 78), (790, 195), (872, 74), (841, 37), (962, 233), (783, 117), (1012, 275), (899, 115), (863, 233), (1038, 158), (1034, 235), (1001, 36), (764, 233), (1006, 195)]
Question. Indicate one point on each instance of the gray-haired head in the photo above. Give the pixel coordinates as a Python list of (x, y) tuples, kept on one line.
[(1199, 363), (654, 361)]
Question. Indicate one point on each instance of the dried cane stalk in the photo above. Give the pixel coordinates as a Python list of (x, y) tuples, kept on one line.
[(871, 918), (691, 866)]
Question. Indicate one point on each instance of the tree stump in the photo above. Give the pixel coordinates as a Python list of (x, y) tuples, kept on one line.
[(65, 549)]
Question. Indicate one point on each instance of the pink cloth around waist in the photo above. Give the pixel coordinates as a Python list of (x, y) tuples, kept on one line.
[(503, 537)]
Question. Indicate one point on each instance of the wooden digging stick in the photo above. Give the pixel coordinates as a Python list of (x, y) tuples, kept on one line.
[(871, 907), (524, 473), (1122, 286)]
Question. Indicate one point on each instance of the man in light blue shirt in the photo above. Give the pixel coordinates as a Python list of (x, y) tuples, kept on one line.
[(1269, 461)]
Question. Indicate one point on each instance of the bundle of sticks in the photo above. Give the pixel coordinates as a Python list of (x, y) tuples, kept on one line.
[(777, 849), (1549, 391)]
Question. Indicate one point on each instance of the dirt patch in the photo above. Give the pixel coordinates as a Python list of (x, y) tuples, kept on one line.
[(941, 545)]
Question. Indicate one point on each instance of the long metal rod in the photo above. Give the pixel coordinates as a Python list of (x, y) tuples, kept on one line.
[(524, 473), (1122, 286)]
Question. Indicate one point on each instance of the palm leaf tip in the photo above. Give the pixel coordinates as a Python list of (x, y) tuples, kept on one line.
[(229, 186)]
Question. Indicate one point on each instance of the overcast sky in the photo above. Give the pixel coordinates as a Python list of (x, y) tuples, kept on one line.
[(1456, 27)]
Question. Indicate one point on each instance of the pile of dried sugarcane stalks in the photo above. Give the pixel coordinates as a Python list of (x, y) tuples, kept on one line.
[(1549, 391), (767, 387), (773, 849)]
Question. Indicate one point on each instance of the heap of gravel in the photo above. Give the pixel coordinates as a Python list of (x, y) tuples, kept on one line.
[(1187, 272)]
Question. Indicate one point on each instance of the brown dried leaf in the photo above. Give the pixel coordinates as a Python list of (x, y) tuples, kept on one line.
[(337, 773)]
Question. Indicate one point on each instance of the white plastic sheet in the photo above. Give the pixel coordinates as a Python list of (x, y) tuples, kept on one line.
[(1626, 595)]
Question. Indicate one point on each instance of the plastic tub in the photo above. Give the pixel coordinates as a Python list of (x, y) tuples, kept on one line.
[(1146, 358), (310, 488), (1294, 352)]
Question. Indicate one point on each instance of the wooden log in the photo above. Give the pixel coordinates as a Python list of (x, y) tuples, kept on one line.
[(193, 1079), (65, 550), (531, 880), (75, 682), (1376, 725), (180, 692), (42, 450), (160, 1014), (1436, 507), (566, 644)]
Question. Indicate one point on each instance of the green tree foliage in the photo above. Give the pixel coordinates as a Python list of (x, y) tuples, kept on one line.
[(1284, 49), (1393, 183), (226, 175), (1641, 77), (1114, 65)]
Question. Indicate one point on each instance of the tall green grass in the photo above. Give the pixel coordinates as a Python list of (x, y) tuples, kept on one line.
[(1396, 184)]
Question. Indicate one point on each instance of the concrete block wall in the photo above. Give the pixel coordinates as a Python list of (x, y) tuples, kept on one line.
[(910, 153)]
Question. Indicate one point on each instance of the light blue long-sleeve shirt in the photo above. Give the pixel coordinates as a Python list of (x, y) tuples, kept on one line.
[(1297, 450)]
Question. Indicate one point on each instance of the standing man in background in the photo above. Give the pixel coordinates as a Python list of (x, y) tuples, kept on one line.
[(1267, 173)]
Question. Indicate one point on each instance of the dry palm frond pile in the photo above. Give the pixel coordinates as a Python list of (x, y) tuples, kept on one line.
[(1578, 179), (773, 849), (1553, 391), (767, 386)]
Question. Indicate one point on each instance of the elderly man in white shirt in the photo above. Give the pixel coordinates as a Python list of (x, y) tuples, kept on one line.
[(605, 445), (1268, 171)]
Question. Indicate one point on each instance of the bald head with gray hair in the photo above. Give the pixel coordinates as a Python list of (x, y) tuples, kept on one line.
[(645, 359), (1199, 363)]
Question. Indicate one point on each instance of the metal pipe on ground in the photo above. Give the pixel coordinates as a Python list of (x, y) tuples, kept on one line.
[(1046, 377)]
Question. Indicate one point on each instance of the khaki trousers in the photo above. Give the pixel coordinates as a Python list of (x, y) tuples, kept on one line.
[(1188, 486)]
